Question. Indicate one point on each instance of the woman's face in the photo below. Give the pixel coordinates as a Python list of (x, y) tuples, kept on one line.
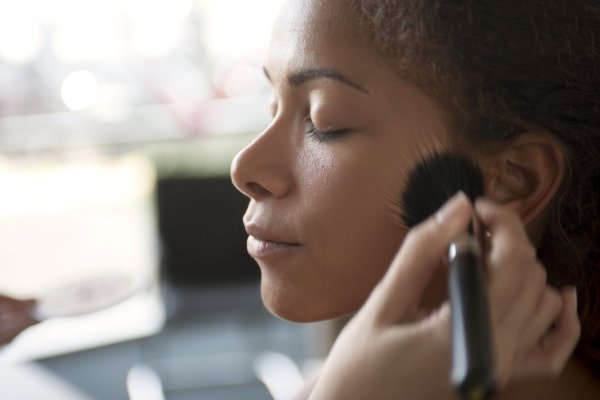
[(324, 176)]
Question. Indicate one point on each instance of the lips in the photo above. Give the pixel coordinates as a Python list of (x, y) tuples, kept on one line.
[(263, 243)]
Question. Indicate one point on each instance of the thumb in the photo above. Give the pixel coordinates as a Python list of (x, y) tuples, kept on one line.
[(420, 254)]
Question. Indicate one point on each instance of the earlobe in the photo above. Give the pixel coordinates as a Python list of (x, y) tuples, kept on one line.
[(526, 175)]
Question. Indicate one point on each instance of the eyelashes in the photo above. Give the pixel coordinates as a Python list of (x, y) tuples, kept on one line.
[(324, 135), (311, 130)]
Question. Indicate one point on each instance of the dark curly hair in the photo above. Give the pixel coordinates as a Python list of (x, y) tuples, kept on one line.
[(499, 67)]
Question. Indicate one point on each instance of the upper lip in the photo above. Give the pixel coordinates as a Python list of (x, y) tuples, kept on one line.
[(266, 234)]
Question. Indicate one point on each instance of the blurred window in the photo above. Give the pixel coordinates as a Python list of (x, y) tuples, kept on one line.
[(86, 72)]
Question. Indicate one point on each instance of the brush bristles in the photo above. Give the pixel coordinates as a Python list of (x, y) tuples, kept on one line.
[(434, 180)]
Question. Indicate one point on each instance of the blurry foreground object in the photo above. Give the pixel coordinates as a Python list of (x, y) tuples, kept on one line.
[(14, 317), (65, 223)]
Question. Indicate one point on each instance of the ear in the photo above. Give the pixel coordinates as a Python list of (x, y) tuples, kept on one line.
[(525, 175)]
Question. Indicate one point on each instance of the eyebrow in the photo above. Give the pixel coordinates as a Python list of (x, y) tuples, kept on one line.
[(299, 77)]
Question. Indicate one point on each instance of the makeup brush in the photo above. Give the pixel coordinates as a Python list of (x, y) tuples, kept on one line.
[(433, 181)]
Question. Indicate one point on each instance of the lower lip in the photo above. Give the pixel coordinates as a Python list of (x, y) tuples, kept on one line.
[(263, 249)]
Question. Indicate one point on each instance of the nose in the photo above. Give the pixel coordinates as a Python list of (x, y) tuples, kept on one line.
[(263, 168)]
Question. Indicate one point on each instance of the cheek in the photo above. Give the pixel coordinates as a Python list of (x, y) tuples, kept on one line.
[(352, 233), (344, 190)]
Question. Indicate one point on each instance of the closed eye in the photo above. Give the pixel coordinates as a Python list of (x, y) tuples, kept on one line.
[(324, 135)]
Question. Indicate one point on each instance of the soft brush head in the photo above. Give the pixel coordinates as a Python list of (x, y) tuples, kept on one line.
[(434, 180)]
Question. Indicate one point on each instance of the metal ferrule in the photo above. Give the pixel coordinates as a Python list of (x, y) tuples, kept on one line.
[(464, 244)]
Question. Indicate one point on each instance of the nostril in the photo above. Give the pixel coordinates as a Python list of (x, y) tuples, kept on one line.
[(256, 189)]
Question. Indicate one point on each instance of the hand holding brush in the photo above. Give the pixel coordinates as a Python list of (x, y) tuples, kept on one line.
[(432, 182), (384, 352)]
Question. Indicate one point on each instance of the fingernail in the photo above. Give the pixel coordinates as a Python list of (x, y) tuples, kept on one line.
[(451, 208)]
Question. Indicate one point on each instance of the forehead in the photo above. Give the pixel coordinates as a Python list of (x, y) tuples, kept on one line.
[(323, 34), (318, 32), (323, 15)]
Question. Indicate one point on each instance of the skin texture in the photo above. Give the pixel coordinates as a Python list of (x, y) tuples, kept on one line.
[(385, 352), (323, 225), (334, 197)]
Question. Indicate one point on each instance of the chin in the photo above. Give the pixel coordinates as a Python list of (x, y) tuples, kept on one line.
[(303, 308)]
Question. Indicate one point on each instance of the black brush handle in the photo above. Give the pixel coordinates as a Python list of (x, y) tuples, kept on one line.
[(472, 348)]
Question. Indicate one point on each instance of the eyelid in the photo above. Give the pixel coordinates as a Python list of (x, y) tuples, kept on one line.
[(327, 129), (326, 134)]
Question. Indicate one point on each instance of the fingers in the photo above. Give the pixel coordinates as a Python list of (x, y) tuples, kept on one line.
[(419, 256), (10, 306), (14, 317), (554, 349), (10, 328), (541, 320), (513, 325), (510, 256), (524, 307)]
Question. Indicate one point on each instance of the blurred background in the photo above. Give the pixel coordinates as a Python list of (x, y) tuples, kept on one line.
[(118, 122)]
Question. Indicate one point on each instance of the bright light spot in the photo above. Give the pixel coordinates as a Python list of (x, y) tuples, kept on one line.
[(79, 90), (112, 103), (20, 34)]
